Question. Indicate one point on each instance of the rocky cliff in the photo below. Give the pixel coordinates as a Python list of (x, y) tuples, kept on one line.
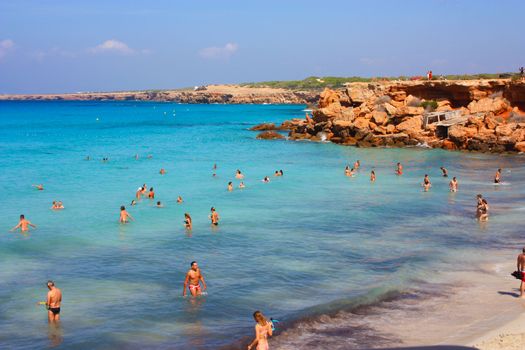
[(486, 115), (231, 94)]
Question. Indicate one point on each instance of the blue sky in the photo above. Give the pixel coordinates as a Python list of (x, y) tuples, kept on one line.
[(66, 46)]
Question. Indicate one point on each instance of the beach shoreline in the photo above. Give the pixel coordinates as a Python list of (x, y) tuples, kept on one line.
[(473, 308)]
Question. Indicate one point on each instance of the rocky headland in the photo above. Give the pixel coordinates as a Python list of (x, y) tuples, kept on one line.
[(479, 115), (230, 94)]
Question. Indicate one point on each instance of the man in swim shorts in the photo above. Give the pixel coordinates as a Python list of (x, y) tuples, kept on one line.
[(23, 224), (521, 267), (214, 217), (193, 279), (54, 298)]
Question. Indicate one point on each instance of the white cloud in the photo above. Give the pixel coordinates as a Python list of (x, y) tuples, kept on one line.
[(112, 46), (6, 46), (219, 52)]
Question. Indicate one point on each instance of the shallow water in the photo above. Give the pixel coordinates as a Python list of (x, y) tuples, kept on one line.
[(309, 243)]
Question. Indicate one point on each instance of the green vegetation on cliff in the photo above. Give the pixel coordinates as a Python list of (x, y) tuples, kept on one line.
[(319, 83)]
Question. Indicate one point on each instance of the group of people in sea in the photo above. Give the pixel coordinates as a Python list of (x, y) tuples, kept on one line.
[(482, 205), (194, 277)]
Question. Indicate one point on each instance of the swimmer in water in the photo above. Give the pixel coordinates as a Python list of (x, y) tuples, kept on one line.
[(453, 185), (179, 199), (133, 202), (372, 176), (399, 169), (426, 183), (193, 279), (357, 164), (214, 217), (39, 187), (57, 205), (276, 173), (281, 172), (139, 192), (162, 171), (214, 166), (23, 224), (266, 179), (241, 185), (143, 190), (263, 330), (124, 215), (159, 205), (53, 301), (187, 221), (136, 156), (347, 171), (230, 186), (497, 177), (483, 210), (445, 171), (239, 175), (151, 194)]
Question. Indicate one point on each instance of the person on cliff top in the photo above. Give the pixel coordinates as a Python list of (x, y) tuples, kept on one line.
[(399, 169), (453, 185), (426, 183), (445, 171), (497, 177), (521, 267), (23, 224), (372, 176)]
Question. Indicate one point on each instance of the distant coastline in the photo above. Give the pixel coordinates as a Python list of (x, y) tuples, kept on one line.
[(225, 94)]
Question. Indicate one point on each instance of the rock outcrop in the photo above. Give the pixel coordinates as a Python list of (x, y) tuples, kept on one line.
[(489, 115)]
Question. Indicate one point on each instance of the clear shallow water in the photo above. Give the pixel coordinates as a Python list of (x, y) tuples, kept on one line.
[(306, 244)]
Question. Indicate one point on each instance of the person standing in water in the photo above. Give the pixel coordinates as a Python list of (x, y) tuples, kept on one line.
[(263, 330), (179, 199), (230, 186), (53, 301), (193, 279), (399, 169), (124, 215), (483, 210), (497, 177), (241, 185), (187, 221), (23, 224), (521, 268), (372, 176), (357, 164), (426, 183), (151, 194), (214, 217), (239, 175), (445, 171), (453, 185)]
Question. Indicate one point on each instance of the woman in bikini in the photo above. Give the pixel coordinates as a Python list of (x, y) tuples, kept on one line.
[(263, 329)]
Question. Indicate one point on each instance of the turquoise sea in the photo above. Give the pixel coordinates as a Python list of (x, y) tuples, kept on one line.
[(310, 243)]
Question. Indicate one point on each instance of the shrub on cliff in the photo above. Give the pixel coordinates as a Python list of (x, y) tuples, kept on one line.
[(429, 106)]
